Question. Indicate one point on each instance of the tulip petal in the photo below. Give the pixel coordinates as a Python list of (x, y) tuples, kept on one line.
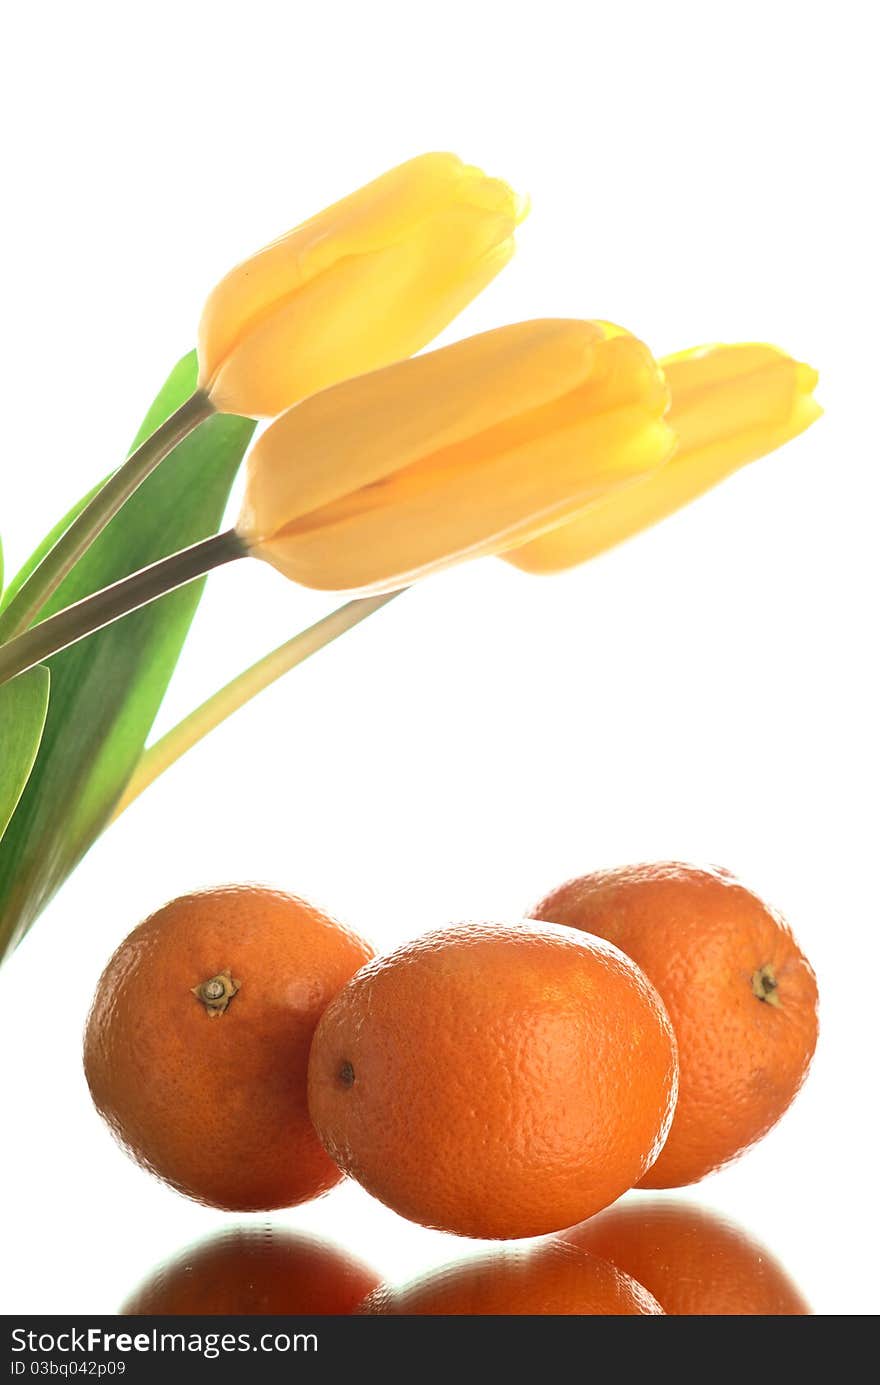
[(365, 282), (730, 405), (460, 452)]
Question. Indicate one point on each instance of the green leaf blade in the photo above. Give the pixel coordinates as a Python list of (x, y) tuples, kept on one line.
[(43, 547), (23, 706), (106, 691)]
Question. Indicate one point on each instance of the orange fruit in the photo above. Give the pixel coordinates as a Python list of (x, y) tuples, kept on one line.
[(741, 996), (692, 1261), (489, 1079), (197, 1044), (255, 1270), (555, 1279)]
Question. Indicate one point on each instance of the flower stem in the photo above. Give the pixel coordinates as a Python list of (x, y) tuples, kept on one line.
[(94, 612), (46, 578), (242, 689)]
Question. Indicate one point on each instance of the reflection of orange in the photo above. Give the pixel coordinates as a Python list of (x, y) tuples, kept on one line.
[(255, 1269), (489, 1079), (692, 1261), (553, 1279), (741, 996), (197, 1045)]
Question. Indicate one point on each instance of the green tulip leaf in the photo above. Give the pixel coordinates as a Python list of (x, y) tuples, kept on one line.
[(105, 692), (42, 549), (23, 705)]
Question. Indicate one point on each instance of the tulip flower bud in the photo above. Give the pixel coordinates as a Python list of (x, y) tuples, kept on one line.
[(457, 453), (369, 281), (730, 405)]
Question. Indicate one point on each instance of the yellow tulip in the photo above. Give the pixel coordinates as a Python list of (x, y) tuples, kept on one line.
[(730, 405), (369, 281), (457, 453)]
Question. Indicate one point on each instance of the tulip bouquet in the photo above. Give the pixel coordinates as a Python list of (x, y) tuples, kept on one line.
[(543, 443)]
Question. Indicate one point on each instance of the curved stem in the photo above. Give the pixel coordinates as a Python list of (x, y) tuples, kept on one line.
[(242, 689), (94, 612), (46, 578)]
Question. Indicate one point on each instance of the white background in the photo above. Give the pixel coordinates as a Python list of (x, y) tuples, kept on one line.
[(698, 172)]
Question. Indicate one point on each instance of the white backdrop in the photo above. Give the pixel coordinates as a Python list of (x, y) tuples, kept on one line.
[(709, 691)]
